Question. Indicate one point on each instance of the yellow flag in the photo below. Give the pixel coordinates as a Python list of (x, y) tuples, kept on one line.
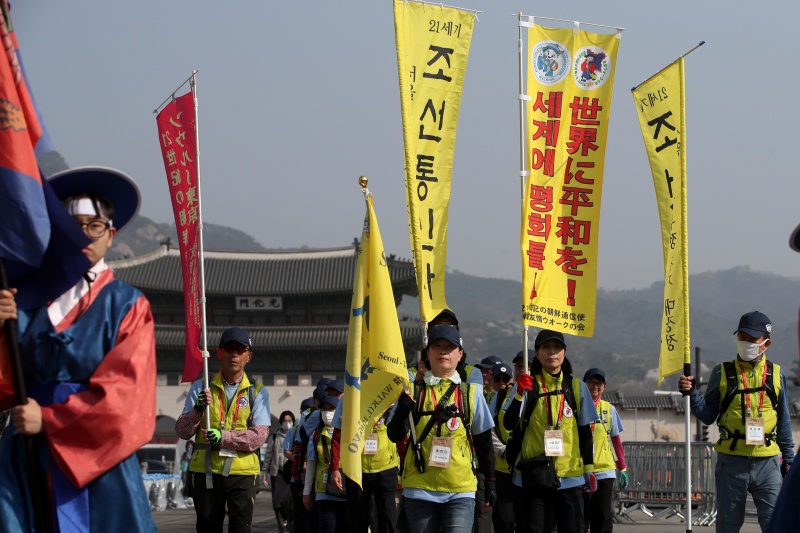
[(376, 362), (432, 48), (660, 107), (570, 81)]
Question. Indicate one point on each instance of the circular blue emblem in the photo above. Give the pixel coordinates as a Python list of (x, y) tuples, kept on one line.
[(550, 62)]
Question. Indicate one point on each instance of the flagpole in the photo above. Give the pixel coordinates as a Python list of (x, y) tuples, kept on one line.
[(523, 172), (203, 321), (701, 43), (39, 498)]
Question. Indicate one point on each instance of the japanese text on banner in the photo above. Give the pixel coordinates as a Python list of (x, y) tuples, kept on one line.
[(432, 49), (570, 81), (176, 130), (660, 108)]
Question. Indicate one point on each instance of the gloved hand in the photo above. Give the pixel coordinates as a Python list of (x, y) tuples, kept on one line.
[(214, 436), (785, 468), (623, 478), (524, 382), (405, 405), (202, 401), (490, 492), (590, 482)]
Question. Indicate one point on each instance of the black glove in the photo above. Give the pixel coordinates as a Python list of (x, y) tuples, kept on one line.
[(201, 403), (490, 491), (785, 468), (405, 405)]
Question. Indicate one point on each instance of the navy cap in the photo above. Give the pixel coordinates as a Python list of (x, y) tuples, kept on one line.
[(308, 403), (320, 392), (794, 239), (501, 368), (548, 335), (594, 372), (531, 357), (445, 316), (336, 384), (324, 381), (488, 362), (239, 335), (446, 332), (755, 324), (331, 400)]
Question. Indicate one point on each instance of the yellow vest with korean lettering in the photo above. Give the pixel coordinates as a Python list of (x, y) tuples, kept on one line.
[(731, 419), (601, 431), (459, 477), (387, 456), (570, 464), (245, 463)]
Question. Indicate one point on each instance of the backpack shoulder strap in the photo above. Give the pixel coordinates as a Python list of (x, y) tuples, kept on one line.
[(732, 382), (569, 393), (770, 384)]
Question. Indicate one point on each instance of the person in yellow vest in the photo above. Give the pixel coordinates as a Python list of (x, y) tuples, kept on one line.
[(330, 502), (452, 432), (609, 456), (485, 367), (380, 463), (552, 413), (503, 515), (747, 397), (225, 465)]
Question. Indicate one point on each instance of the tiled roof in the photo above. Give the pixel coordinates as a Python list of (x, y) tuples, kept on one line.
[(656, 401), (258, 273), (281, 337)]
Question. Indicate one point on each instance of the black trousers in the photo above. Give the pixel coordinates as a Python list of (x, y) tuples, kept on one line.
[(236, 493), (300, 515), (503, 511), (482, 521), (332, 516), (539, 510), (598, 511), (379, 486)]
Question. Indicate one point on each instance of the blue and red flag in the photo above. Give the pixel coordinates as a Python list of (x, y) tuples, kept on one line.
[(39, 242)]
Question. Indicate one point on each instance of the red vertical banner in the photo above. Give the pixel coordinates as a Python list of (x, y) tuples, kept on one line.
[(176, 131)]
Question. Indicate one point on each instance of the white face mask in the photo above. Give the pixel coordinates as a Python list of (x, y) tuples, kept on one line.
[(287, 426), (748, 351), (327, 417)]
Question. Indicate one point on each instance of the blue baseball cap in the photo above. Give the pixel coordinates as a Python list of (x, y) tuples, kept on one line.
[(531, 357), (335, 384), (501, 368), (594, 372), (488, 362), (755, 323), (320, 392), (324, 381), (239, 335), (446, 332), (333, 401), (308, 403)]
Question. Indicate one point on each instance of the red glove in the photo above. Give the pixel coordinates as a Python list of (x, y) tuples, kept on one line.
[(524, 382)]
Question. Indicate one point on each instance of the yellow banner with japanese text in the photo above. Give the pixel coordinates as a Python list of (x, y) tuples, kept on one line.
[(570, 76), (432, 48), (376, 373), (661, 111)]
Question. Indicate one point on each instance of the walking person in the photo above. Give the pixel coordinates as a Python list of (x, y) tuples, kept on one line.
[(503, 514), (274, 462)]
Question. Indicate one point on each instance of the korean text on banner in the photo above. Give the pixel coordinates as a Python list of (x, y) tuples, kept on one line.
[(376, 372), (570, 81), (660, 108), (432, 48), (176, 130)]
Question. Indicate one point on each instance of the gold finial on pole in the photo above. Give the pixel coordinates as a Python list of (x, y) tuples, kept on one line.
[(363, 180)]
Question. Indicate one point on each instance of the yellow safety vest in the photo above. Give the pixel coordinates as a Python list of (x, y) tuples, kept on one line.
[(570, 464), (500, 463), (731, 419), (601, 435), (323, 460), (245, 463), (387, 456)]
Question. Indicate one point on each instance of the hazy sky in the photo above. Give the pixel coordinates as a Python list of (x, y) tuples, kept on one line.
[(297, 99)]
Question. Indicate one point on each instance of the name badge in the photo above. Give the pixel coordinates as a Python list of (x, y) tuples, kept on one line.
[(441, 450), (554, 443), (755, 431), (371, 444), (227, 452), (325, 474)]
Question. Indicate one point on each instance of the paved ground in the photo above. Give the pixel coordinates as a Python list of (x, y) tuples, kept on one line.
[(183, 520)]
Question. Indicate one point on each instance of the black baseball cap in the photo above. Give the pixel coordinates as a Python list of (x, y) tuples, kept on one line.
[(501, 368), (548, 335), (531, 357), (594, 372), (444, 331), (444, 314), (488, 362), (755, 323), (239, 335)]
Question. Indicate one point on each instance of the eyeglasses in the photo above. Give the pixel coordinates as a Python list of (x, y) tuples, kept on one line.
[(94, 229)]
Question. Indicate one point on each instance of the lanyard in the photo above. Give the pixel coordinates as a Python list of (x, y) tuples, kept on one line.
[(547, 401), (235, 412), (763, 389)]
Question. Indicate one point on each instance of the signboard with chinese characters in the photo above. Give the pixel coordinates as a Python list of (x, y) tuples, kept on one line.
[(570, 80), (259, 303)]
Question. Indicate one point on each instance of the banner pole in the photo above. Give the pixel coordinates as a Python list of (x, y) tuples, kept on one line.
[(522, 170), (202, 270), (665, 68), (687, 371)]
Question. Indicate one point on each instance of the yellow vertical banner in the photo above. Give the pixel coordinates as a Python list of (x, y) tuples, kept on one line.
[(375, 372), (660, 108), (432, 48), (570, 76)]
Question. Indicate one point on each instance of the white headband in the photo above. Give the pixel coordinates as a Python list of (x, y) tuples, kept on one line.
[(85, 206)]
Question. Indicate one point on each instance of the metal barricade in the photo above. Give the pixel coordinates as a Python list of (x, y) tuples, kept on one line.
[(657, 481)]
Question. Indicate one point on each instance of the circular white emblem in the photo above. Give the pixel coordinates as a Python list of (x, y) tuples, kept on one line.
[(549, 62), (567, 411), (453, 424), (591, 67), (243, 402), (769, 328)]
